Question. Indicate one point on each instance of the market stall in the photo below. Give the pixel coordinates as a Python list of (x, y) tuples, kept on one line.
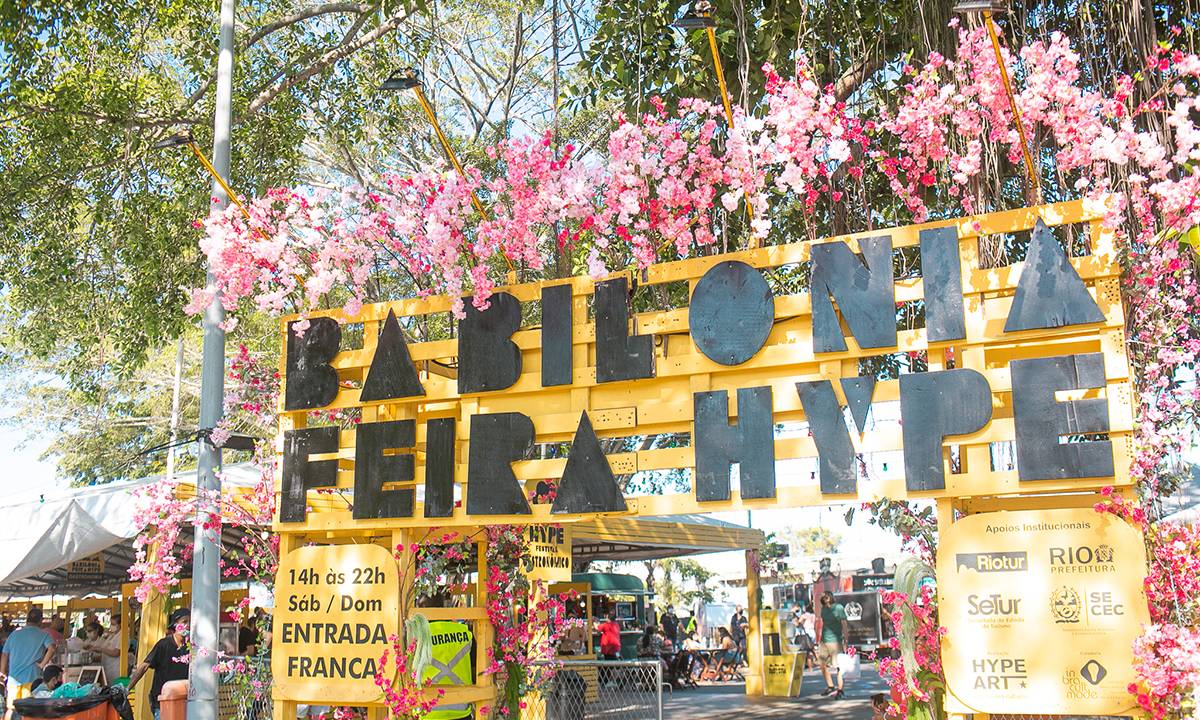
[(70, 554)]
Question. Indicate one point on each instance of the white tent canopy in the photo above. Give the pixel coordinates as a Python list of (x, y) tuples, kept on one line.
[(39, 538)]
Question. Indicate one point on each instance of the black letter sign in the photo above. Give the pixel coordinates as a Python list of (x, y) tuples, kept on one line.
[(301, 475), (859, 393), (488, 359), (556, 335), (392, 373), (619, 356), (1041, 420), (1050, 293), (941, 274), (865, 294), (934, 405), (311, 380), (731, 312), (750, 443), (587, 483), (835, 454), (497, 440), (372, 469), (439, 467)]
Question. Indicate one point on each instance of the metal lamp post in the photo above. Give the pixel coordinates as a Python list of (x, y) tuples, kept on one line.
[(988, 8), (409, 79), (206, 572)]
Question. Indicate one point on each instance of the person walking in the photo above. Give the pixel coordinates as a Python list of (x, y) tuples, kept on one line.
[(806, 634), (168, 658), (610, 646), (25, 653), (670, 625), (833, 639), (737, 630)]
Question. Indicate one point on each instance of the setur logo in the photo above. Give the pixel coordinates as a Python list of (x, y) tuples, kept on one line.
[(1065, 605), (989, 562), (995, 605)]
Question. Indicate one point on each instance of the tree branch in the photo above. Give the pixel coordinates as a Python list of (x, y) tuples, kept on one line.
[(343, 50), (269, 28), (312, 12), (849, 81)]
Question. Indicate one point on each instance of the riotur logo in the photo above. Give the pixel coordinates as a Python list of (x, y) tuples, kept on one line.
[(1013, 561)]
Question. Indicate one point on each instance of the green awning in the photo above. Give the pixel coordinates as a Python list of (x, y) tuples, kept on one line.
[(611, 583)]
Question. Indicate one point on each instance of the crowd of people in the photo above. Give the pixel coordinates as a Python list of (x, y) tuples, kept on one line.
[(687, 659), (33, 655)]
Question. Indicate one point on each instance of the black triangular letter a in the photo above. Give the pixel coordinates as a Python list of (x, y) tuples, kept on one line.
[(392, 373), (587, 483), (1050, 293)]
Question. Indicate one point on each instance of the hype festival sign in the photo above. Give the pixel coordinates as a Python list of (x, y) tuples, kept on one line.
[(1028, 357)]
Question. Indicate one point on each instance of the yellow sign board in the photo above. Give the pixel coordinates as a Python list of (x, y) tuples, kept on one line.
[(1041, 608), (335, 608), (549, 553), (783, 671)]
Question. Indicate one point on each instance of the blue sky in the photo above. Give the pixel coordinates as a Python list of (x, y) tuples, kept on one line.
[(23, 474)]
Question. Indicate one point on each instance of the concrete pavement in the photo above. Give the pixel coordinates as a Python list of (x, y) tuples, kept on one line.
[(728, 701)]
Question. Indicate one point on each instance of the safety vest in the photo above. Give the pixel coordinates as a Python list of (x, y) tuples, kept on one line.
[(451, 665)]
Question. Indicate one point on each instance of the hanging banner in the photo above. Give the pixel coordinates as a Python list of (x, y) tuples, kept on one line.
[(1041, 610), (549, 557), (335, 608)]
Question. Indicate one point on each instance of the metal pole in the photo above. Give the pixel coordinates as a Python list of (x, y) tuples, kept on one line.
[(1012, 106), (659, 684), (206, 573), (175, 411)]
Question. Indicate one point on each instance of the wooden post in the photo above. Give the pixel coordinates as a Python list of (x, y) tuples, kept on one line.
[(152, 628), (484, 632), (123, 638), (284, 709), (754, 671)]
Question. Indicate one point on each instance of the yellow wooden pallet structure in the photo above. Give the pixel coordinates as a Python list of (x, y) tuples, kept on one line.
[(664, 404)]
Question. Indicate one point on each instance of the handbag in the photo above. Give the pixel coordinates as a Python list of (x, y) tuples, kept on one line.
[(849, 666)]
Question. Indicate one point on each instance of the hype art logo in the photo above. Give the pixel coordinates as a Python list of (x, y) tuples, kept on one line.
[(990, 562)]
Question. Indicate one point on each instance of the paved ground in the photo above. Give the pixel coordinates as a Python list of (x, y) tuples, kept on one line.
[(728, 701)]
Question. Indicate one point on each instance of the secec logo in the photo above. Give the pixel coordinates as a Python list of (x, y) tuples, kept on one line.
[(989, 562), (1065, 605)]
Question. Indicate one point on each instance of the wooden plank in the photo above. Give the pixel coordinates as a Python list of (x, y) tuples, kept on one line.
[(452, 613)]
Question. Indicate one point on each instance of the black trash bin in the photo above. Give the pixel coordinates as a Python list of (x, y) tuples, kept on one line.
[(90, 707), (566, 701)]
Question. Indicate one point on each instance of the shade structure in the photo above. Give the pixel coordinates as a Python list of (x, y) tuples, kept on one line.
[(41, 538)]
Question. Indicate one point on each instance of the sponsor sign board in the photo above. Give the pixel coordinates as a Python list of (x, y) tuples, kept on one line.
[(1041, 609), (862, 618), (335, 607)]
